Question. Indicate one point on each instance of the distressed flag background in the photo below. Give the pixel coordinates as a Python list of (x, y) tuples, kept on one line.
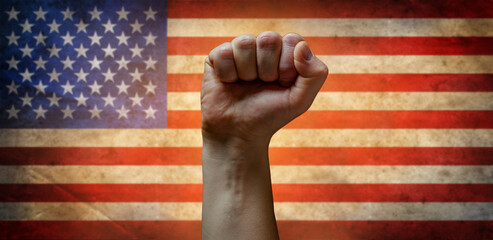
[(100, 118)]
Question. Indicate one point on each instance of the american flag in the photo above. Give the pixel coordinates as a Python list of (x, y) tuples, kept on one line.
[(100, 118)]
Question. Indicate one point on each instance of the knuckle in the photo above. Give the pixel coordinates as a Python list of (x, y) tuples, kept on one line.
[(292, 39), (224, 51), (246, 41), (269, 40)]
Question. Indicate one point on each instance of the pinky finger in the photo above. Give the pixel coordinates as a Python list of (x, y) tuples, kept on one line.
[(222, 59)]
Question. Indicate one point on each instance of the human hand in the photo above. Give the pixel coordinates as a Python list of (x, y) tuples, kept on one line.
[(253, 86)]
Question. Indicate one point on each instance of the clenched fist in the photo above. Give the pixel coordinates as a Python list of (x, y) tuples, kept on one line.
[(253, 86)]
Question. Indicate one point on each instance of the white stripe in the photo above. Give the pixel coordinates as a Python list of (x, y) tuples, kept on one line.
[(227, 27), (94, 211), (283, 138), (369, 101), (436, 64), (280, 174)]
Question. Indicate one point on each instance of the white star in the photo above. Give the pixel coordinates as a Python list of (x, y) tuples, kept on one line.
[(26, 26), (26, 75), (54, 100), (81, 51), (95, 112), (108, 27), (40, 112), (26, 100), (40, 39), (67, 88), (150, 39), (13, 87), (67, 63), (81, 26), (150, 88), (122, 88), (136, 100), (108, 75), (81, 75), (150, 63), (95, 63), (95, 14), (95, 39), (136, 51), (40, 88), (40, 63), (13, 38), (122, 39), (136, 26), (54, 26), (67, 39), (122, 112), (12, 63), (108, 51), (108, 100), (54, 75), (67, 14), (136, 75), (13, 14), (95, 88), (81, 100), (150, 14), (12, 112), (67, 112), (54, 51), (150, 112), (122, 63), (26, 51), (40, 14), (122, 14)]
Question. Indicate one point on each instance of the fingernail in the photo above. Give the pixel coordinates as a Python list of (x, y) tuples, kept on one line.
[(307, 53)]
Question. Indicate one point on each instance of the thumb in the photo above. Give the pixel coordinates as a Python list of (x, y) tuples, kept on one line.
[(311, 76)]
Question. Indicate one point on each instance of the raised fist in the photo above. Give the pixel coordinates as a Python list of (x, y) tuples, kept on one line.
[(253, 86)]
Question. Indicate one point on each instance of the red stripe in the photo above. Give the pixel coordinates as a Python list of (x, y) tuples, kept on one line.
[(278, 156), (281, 192), (182, 230), (364, 119), (330, 9), (355, 45), (371, 82)]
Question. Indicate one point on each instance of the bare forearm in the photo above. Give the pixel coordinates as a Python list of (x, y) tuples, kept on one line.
[(237, 201)]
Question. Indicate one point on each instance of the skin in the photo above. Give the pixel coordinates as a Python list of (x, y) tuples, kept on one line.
[(251, 88)]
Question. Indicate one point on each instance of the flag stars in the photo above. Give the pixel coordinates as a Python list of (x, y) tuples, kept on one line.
[(109, 100), (108, 51), (40, 87), (150, 112), (40, 39), (54, 26), (136, 100), (136, 75), (68, 63), (95, 38), (67, 112), (95, 88), (54, 100), (81, 26), (26, 51), (40, 112), (13, 63), (67, 88), (95, 112), (40, 63), (54, 51), (122, 39), (26, 75), (12, 88), (13, 14), (13, 39), (40, 14), (150, 88), (122, 112), (150, 14), (108, 27), (150, 39), (95, 63), (81, 76), (67, 14), (81, 100), (136, 51), (150, 63), (12, 112), (26, 26), (26, 100), (81, 51), (122, 88), (54, 75), (136, 26), (122, 63), (122, 14), (108, 75), (95, 14), (67, 39)]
